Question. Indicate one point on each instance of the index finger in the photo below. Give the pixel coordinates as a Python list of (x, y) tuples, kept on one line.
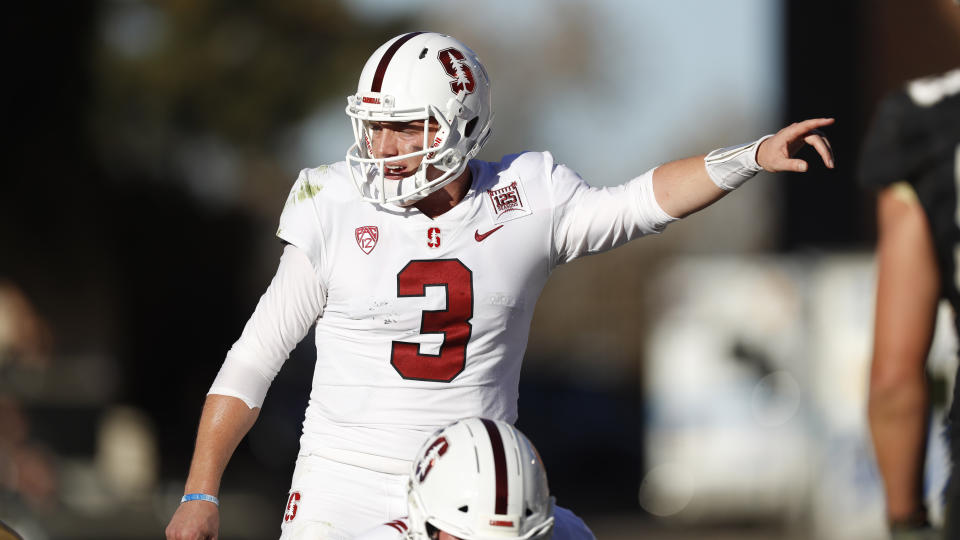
[(806, 126)]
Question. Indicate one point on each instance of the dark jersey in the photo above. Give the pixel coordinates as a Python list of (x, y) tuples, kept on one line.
[(915, 138)]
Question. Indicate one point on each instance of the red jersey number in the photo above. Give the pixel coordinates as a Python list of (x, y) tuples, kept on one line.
[(453, 322)]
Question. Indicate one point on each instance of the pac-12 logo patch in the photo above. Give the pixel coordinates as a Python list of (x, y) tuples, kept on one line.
[(455, 64), (437, 449), (433, 237), (367, 237)]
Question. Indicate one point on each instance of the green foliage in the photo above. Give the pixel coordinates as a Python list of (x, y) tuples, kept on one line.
[(239, 72)]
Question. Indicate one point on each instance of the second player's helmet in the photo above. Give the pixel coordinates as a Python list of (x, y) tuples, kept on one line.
[(419, 76), (480, 479)]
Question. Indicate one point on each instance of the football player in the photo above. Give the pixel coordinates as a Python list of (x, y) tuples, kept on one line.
[(479, 478), (911, 156), (420, 267)]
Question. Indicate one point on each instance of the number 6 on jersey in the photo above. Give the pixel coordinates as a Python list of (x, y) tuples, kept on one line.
[(453, 322)]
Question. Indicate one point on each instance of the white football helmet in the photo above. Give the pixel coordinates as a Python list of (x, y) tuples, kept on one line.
[(480, 479), (419, 76)]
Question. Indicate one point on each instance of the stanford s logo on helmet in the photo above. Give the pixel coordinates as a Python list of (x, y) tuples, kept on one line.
[(433, 452), (456, 66), (419, 76)]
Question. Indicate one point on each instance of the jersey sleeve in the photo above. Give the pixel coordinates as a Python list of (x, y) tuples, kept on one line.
[(590, 220), (884, 158), (568, 526), (300, 222), (283, 316)]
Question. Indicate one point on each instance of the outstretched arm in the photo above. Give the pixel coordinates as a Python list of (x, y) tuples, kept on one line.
[(683, 187)]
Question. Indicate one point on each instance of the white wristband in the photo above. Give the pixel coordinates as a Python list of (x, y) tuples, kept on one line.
[(730, 167)]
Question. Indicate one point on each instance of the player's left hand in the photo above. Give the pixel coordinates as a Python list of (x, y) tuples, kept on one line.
[(776, 153)]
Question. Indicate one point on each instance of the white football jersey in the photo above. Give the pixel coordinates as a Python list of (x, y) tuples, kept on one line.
[(426, 320)]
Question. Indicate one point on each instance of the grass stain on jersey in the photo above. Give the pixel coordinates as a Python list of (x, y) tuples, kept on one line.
[(308, 191)]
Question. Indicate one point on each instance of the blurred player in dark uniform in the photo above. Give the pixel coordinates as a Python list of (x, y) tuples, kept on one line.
[(911, 156)]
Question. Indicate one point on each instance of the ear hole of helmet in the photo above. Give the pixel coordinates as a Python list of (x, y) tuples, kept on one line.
[(423, 53), (471, 125), (464, 509), (528, 512)]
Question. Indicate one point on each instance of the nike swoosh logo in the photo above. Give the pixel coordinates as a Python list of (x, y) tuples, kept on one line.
[(481, 237)]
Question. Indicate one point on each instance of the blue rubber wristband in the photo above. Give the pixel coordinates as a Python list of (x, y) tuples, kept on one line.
[(200, 497)]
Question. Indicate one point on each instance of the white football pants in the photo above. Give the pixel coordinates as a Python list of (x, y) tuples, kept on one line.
[(329, 500)]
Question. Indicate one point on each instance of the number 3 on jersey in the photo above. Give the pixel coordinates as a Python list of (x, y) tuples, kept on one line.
[(453, 322)]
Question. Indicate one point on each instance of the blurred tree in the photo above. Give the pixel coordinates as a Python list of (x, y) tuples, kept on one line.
[(195, 91)]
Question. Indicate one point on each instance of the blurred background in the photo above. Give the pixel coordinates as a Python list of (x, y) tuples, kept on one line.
[(706, 383)]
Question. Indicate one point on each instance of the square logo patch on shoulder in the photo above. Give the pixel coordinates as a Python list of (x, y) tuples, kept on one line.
[(508, 201)]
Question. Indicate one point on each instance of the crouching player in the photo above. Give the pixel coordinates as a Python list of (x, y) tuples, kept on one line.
[(478, 479)]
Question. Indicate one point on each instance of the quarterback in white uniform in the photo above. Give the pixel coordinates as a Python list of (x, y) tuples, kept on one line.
[(426, 320), (420, 267)]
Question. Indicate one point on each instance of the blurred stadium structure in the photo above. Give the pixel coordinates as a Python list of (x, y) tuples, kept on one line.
[(708, 383), (768, 376)]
